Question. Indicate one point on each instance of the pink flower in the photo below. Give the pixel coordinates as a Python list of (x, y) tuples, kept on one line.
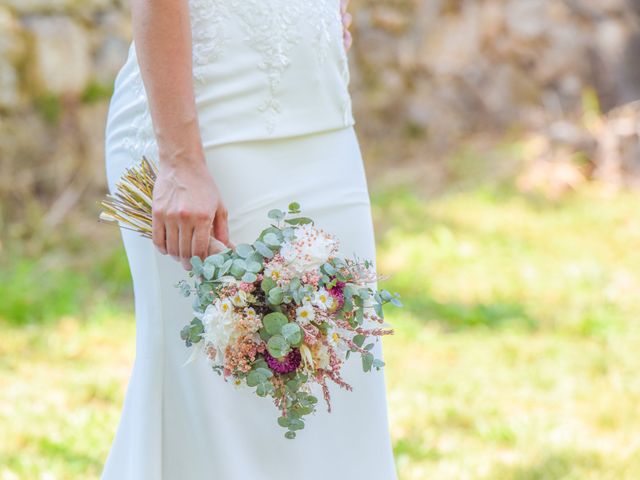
[(337, 293)]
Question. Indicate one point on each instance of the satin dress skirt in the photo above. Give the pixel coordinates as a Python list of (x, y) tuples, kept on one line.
[(184, 422)]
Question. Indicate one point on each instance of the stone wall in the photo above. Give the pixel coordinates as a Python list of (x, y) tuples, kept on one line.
[(425, 73)]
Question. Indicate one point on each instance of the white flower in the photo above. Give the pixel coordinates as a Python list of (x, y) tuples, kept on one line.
[(322, 299), (225, 305), (240, 298), (311, 248), (274, 271), (336, 337), (323, 359), (305, 313), (219, 327)]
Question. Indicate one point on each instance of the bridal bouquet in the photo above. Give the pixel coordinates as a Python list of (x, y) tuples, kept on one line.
[(280, 314)]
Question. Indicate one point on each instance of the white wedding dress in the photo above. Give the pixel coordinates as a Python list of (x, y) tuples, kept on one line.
[(271, 79)]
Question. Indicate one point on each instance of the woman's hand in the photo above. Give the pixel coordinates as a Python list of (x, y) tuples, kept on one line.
[(347, 19), (187, 212)]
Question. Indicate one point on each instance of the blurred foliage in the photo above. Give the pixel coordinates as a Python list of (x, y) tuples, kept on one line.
[(514, 359)]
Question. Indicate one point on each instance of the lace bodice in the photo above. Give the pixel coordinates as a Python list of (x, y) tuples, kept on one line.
[(261, 68)]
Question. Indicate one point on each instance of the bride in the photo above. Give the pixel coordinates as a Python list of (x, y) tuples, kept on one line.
[(245, 106)]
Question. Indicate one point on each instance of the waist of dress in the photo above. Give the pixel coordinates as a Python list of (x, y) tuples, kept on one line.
[(244, 99)]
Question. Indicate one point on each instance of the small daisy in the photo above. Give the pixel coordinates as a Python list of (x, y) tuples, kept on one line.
[(226, 306), (305, 313), (240, 298), (274, 271), (322, 299)]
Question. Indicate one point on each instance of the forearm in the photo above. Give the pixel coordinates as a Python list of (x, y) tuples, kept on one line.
[(162, 37)]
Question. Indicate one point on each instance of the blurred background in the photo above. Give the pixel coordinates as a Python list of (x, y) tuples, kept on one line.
[(502, 146)]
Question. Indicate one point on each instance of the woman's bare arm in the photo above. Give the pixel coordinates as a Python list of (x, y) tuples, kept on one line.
[(187, 207)]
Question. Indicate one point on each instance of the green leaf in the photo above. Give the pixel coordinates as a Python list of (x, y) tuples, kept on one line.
[(290, 435), (263, 389), (224, 268), (264, 372), (292, 334), (276, 214), (271, 239), (267, 284), (253, 379), (217, 259), (283, 422), (367, 362), (276, 296), (296, 424), (359, 340), (278, 346), (244, 250), (396, 302), (298, 221), (273, 322), (328, 269), (378, 364), (238, 267), (249, 277), (208, 270), (294, 207), (262, 249), (196, 264), (253, 266)]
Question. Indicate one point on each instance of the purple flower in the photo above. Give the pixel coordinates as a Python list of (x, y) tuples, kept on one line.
[(288, 364), (338, 294)]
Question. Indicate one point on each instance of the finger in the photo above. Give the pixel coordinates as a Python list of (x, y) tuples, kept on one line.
[(348, 40), (215, 246), (159, 234), (221, 226), (344, 4), (184, 242), (347, 20), (173, 247), (200, 241)]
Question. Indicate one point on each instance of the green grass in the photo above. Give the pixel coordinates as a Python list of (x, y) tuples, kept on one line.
[(515, 356)]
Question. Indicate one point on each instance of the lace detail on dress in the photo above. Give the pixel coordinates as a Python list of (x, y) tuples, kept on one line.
[(325, 14), (143, 141), (272, 31), (209, 39)]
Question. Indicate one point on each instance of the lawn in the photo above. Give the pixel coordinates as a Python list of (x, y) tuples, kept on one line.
[(515, 356)]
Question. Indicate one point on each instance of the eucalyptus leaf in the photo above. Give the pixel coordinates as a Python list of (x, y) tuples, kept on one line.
[(208, 270), (276, 295), (292, 334), (396, 302), (244, 250), (278, 346), (217, 259), (267, 284), (273, 322), (294, 207), (299, 221), (271, 239), (224, 268), (249, 277), (276, 214), (359, 340), (367, 361), (253, 266), (262, 249), (196, 264)]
